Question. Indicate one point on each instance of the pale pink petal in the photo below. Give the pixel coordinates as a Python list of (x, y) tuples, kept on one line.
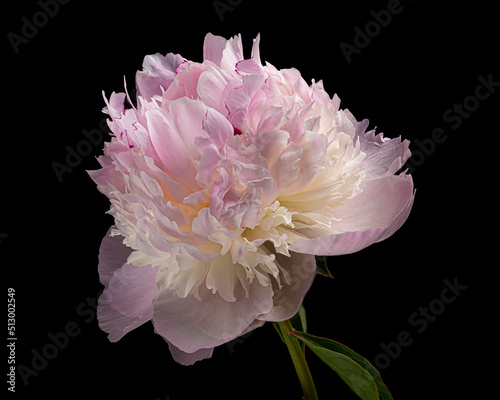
[(217, 128), (192, 324), (157, 72), (127, 301), (171, 147), (188, 116), (242, 100), (271, 145), (211, 148), (232, 54), (112, 255), (189, 358), (256, 50), (115, 107), (381, 201), (339, 244), (246, 168), (384, 156), (285, 170), (186, 82), (288, 299), (213, 48), (385, 203), (399, 220), (249, 66), (214, 87), (311, 159)]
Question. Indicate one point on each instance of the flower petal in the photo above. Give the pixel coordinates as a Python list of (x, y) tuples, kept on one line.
[(384, 204), (213, 48), (232, 53), (174, 141), (189, 358), (288, 298), (192, 324), (112, 255), (157, 72), (127, 301), (384, 156), (214, 87)]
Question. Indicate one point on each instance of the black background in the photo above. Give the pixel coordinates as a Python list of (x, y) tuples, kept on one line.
[(427, 59)]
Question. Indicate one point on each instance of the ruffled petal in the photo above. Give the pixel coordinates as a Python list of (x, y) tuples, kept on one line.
[(157, 72), (384, 156), (214, 86)]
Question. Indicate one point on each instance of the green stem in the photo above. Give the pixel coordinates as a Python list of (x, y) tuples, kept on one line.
[(298, 359)]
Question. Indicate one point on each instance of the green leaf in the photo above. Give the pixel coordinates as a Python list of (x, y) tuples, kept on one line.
[(322, 267), (356, 371), (299, 321), (278, 329)]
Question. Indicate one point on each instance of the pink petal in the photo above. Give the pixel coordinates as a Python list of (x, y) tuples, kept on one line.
[(174, 142), (373, 215), (379, 203), (127, 300), (232, 54), (217, 128), (313, 153), (214, 87), (189, 358), (339, 244), (256, 50), (112, 255), (191, 324), (186, 82), (271, 145), (288, 298), (384, 156), (157, 72), (284, 170), (188, 116), (115, 107), (213, 48)]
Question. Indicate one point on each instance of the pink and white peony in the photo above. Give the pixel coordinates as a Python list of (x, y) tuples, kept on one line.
[(225, 180)]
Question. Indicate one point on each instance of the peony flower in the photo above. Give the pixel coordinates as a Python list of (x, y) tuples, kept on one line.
[(225, 180)]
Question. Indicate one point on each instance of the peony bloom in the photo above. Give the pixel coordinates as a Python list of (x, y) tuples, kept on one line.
[(225, 180)]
